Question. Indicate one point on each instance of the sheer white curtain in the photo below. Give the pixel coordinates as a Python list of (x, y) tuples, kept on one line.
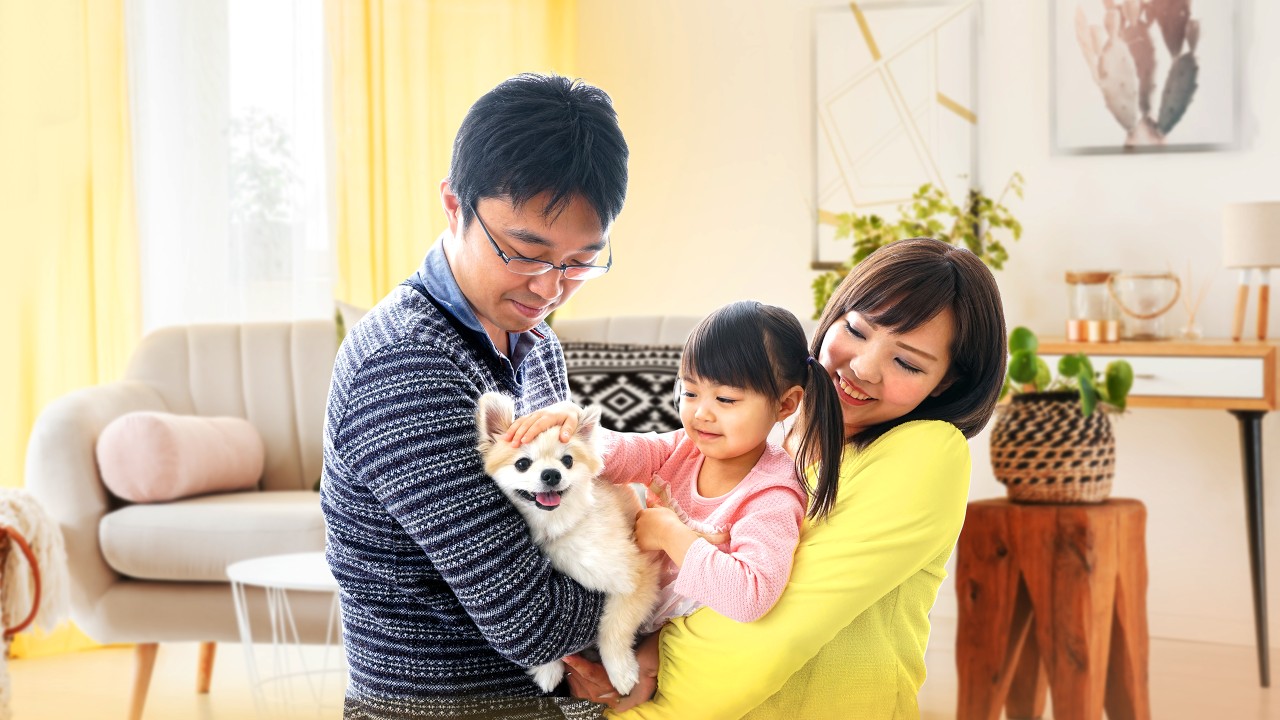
[(229, 132)]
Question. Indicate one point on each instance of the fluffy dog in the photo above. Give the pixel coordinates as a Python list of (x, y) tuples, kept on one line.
[(583, 524)]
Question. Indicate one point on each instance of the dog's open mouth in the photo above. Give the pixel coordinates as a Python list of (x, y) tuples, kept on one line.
[(544, 500)]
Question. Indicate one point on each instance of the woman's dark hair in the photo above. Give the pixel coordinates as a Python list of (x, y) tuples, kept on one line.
[(905, 284), (761, 347), (541, 133)]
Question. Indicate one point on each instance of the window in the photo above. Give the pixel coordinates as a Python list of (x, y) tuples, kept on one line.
[(229, 129)]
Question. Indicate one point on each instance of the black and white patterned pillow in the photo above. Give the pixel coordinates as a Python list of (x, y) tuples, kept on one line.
[(631, 384)]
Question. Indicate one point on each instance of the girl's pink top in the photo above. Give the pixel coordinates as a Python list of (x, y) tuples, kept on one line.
[(742, 578)]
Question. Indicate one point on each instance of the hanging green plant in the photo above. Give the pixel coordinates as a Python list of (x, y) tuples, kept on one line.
[(978, 226)]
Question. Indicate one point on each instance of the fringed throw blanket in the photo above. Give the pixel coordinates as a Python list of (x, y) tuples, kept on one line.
[(22, 515)]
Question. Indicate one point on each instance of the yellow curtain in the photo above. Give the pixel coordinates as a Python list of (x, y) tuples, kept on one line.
[(69, 270), (404, 74)]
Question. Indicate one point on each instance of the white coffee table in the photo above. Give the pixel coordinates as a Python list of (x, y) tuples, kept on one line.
[(277, 575)]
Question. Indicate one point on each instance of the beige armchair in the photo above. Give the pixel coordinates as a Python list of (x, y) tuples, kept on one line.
[(155, 573)]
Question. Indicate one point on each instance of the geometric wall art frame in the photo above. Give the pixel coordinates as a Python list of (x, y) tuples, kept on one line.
[(1144, 76), (895, 107)]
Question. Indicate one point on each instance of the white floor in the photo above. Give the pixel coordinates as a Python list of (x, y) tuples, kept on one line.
[(1189, 681)]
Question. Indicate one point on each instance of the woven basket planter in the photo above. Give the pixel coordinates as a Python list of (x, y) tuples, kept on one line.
[(1045, 451)]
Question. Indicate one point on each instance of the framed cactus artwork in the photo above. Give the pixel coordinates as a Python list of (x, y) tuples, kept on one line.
[(1134, 76)]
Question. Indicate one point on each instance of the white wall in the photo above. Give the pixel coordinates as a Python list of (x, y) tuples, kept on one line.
[(714, 98)]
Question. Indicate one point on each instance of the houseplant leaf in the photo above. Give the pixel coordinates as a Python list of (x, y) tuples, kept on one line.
[(1088, 396), (1070, 366), (1119, 380), (1087, 368), (1043, 376), (1022, 366), (933, 212), (1023, 339)]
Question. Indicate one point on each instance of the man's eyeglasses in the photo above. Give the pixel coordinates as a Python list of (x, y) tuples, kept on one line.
[(528, 266)]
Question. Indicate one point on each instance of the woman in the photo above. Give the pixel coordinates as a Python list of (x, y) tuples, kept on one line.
[(914, 342)]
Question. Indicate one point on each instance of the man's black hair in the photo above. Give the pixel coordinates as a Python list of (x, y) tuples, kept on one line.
[(541, 133)]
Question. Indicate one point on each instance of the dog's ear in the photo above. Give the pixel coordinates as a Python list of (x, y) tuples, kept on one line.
[(494, 414), (588, 421)]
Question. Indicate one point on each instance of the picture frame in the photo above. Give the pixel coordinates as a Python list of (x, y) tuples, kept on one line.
[(895, 101), (1169, 82)]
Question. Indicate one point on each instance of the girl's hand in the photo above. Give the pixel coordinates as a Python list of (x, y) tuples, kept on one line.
[(657, 522), (524, 429), (653, 527), (589, 680), (660, 529)]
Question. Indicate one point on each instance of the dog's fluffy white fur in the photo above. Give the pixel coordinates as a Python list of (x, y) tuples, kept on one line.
[(585, 526)]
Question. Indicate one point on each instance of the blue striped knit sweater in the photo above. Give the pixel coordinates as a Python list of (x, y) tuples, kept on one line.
[(443, 593)]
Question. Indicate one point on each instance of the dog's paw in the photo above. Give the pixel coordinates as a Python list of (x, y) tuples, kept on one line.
[(549, 675), (624, 672)]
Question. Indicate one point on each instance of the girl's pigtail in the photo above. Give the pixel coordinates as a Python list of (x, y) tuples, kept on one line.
[(821, 439)]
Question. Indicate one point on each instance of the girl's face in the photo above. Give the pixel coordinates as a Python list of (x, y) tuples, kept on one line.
[(727, 422), (881, 375)]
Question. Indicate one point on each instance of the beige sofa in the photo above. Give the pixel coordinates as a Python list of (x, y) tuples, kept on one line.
[(639, 329), (155, 573)]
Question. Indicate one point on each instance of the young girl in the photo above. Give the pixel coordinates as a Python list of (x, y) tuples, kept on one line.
[(744, 368)]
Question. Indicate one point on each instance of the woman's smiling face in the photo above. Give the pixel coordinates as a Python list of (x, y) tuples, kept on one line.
[(881, 375)]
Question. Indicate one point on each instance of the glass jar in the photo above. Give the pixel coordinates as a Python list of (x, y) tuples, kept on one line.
[(1143, 299), (1091, 314)]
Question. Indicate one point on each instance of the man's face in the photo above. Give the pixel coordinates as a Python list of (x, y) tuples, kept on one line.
[(504, 301)]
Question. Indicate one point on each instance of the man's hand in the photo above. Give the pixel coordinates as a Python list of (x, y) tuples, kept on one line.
[(524, 429), (589, 680)]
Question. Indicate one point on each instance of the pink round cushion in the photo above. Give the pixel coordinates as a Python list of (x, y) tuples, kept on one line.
[(155, 457)]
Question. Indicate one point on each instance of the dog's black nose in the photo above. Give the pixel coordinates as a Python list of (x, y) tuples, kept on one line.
[(551, 476)]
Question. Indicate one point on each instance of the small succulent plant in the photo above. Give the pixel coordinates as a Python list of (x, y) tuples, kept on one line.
[(1121, 57), (1029, 373)]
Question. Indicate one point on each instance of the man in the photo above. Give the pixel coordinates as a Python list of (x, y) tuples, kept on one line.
[(445, 598)]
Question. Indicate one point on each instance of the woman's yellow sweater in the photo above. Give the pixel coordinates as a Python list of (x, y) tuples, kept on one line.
[(847, 638)]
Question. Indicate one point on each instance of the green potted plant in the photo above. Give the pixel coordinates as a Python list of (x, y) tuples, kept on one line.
[(1053, 443), (930, 213)]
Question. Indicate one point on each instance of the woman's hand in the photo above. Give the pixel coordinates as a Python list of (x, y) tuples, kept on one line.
[(524, 429), (589, 680)]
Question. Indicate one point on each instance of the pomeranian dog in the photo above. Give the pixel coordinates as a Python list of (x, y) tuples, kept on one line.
[(584, 525)]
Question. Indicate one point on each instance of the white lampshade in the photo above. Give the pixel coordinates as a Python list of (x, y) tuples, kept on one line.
[(1251, 234)]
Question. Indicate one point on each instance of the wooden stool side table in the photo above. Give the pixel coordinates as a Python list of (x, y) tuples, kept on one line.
[(1053, 599)]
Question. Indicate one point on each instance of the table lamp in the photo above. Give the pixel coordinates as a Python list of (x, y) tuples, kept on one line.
[(1251, 240)]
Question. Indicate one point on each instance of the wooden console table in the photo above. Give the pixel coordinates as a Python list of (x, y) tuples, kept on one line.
[(1239, 377)]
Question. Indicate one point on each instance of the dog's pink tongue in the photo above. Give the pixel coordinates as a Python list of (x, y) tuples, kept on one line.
[(548, 499)]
